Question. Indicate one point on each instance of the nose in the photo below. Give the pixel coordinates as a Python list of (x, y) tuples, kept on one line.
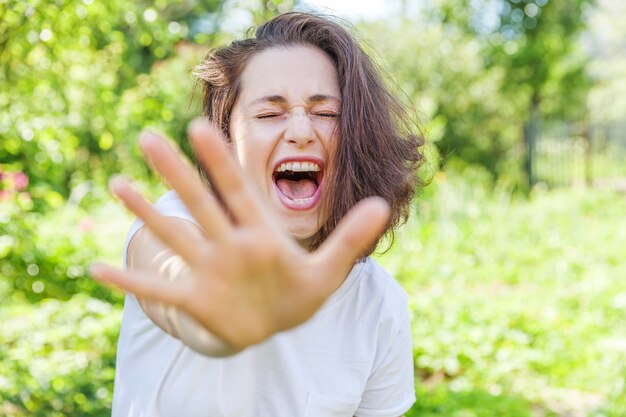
[(300, 130)]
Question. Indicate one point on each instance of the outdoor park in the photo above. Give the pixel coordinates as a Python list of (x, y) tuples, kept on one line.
[(513, 257)]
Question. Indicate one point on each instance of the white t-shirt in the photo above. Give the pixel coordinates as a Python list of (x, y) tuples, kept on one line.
[(353, 357)]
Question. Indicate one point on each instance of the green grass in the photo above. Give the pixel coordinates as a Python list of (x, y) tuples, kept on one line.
[(519, 305)]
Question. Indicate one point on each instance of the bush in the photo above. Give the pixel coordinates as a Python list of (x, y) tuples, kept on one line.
[(46, 255), (58, 359)]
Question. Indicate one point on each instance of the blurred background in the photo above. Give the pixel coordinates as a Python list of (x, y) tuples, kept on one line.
[(513, 258)]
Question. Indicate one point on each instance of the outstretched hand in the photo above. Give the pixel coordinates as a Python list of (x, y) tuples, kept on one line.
[(248, 278)]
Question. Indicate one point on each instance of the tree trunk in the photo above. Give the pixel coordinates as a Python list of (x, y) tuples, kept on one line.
[(588, 154), (531, 132)]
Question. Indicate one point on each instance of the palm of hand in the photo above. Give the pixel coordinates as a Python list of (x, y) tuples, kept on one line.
[(256, 286), (248, 278)]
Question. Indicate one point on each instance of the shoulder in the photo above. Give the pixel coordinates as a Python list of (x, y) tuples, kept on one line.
[(380, 283), (170, 205), (381, 297)]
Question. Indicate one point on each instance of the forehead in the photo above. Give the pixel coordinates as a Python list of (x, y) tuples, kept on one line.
[(294, 72)]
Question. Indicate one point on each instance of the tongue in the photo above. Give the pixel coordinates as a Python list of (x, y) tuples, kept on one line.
[(297, 190)]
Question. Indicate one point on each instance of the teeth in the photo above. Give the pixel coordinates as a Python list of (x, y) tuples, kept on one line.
[(299, 167)]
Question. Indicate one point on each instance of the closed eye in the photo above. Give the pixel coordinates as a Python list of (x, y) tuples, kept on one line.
[(329, 115), (267, 115)]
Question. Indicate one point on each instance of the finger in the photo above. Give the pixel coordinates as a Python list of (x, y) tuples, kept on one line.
[(225, 172), (141, 285), (356, 232), (184, 244), (182, 177)]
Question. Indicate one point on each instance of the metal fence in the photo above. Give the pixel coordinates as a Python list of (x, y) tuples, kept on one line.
[(584, 154)]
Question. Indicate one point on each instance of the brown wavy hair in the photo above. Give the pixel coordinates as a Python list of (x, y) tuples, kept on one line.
[(378, 151)]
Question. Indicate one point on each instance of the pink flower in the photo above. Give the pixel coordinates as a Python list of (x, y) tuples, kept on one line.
[(20, 180)]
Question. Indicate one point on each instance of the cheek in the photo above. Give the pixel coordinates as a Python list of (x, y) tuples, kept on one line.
[(329, 132), (254, 146)]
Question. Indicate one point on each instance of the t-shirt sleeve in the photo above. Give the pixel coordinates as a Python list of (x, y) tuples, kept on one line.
[(390, 390)]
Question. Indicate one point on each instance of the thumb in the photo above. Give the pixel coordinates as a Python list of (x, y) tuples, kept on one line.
[(356, 232)]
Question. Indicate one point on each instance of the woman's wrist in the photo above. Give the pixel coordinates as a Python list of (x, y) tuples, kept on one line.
[(194, 335)]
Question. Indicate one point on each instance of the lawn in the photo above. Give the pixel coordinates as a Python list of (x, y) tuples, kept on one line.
[(519, 305)]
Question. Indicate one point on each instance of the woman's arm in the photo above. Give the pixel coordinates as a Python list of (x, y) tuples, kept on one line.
[(146, 253)]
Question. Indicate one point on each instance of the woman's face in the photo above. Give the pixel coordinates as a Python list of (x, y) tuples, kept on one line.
[(282, 126)]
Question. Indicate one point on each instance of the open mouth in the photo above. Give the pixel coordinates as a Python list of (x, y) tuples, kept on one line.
[(299, 182)]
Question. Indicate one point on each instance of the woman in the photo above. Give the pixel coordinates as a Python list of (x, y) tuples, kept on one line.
[(255, 292)]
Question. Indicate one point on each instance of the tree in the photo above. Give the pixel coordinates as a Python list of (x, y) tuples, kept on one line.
[(485, 73), (68, 71), (537, 44)]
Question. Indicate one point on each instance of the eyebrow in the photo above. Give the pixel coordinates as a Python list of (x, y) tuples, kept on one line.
[(316, 98)]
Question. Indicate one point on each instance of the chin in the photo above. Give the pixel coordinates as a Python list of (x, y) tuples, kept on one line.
[(303, 235), (301, 226)]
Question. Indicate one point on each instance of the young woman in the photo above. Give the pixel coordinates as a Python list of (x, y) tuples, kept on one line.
[(253, 291)]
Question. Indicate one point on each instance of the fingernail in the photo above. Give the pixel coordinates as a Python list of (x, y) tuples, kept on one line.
[(197, 125), (116, 183), (145, 138), (96, 269)]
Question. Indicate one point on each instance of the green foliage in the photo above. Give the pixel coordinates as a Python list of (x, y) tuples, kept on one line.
[(538, 46), (58, 359), (476, 70), (516, 298), (441, 401), (463, 110), (75, 86), (45, 255)]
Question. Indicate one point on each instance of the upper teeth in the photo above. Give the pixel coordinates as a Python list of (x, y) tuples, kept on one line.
[(298, 167)]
